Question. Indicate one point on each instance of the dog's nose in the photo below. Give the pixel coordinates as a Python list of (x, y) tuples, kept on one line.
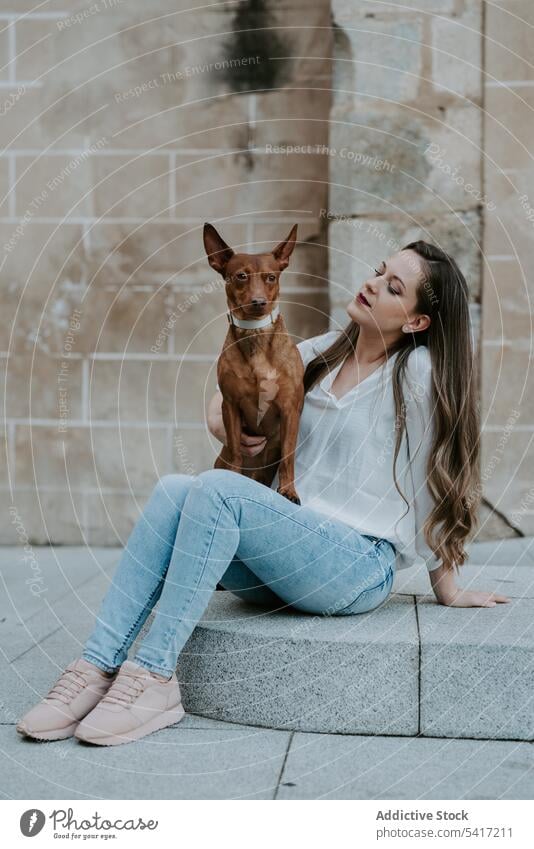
[(258, 302)]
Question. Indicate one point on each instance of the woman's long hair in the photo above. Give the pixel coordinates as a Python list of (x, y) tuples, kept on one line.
[(453, 466)]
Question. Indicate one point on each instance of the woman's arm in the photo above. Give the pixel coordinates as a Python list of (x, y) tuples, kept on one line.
[(250, 445), (214, 418)]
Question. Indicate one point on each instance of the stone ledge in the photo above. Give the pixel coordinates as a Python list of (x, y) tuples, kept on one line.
[(349, 674), (412, 667)]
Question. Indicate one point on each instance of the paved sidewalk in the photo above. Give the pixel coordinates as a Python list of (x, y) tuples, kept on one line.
[(203, 758)]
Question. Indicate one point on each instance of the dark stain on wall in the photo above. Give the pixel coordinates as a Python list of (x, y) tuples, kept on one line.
[(255, 53)]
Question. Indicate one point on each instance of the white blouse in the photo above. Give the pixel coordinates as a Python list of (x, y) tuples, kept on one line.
[(345, 447)]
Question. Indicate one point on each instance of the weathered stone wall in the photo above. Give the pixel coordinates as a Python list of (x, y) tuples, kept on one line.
[(507, 392), (406, 115), (124, 126), (127, 125)]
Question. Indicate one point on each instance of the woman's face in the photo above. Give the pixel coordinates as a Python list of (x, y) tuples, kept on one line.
[(391, 295)]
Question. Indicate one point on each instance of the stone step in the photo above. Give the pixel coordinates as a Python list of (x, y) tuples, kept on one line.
[(411, 667)]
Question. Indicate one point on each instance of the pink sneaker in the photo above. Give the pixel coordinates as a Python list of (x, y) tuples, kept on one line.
[(138, 703), (75, 693)]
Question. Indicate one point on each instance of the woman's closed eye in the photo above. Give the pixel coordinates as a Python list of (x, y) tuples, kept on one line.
[(393, 291)]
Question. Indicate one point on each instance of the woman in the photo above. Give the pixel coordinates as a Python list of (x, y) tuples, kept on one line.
[(392, 392)]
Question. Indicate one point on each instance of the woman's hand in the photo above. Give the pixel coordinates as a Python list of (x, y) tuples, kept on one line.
[(250, 444), (475, 598), (449, 594)]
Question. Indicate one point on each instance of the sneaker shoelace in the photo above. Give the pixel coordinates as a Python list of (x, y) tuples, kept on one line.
[(70, 683), (124, 690)]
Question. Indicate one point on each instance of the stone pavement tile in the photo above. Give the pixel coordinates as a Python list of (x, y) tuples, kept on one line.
[(73, 613), (176, 763), (477, 670), (323, 766), (44, 574), (512, 552), (355, 674), (512, 581)]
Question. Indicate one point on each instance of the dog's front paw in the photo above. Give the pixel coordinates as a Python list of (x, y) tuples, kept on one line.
[(290, 493)]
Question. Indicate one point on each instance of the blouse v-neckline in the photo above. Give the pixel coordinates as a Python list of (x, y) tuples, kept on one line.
[(329, 378)]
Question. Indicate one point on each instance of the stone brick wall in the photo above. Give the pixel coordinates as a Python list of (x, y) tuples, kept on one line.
[(507, 391), (124, 126), (127, 125), (406, 116)]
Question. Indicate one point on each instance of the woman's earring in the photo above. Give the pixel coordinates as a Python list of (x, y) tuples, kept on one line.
[(406, 329)]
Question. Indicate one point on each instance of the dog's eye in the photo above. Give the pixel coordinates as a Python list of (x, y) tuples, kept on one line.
[(241, 275), (271, 278)]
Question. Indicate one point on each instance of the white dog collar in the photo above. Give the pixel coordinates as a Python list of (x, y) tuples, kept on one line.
[(254, 323)]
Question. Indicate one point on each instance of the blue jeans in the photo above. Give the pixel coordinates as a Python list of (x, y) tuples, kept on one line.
[(221, 527)]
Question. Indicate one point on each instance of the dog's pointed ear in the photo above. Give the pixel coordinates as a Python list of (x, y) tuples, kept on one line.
[(283, 251), (219, 253)]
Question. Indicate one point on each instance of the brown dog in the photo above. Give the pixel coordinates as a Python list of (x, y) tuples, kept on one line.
[(260, 371)]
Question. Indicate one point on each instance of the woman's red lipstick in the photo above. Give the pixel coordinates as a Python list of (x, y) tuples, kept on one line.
[(362, 300)]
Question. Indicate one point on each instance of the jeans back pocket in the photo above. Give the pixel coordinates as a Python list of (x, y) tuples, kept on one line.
[(371, 597)]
